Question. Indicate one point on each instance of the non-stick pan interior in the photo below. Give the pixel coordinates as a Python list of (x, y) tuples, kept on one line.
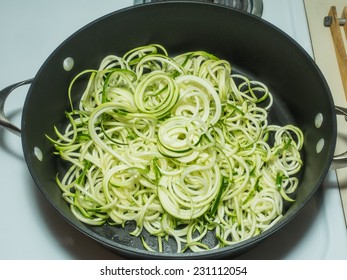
[(253, 47)]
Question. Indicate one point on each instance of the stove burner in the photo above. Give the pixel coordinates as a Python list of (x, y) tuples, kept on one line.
[(254, 7)]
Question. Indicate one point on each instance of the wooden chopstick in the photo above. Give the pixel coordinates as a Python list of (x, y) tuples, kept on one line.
[(334, 22)]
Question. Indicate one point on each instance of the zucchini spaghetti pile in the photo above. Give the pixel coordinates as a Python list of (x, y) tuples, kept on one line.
[(180, 146)]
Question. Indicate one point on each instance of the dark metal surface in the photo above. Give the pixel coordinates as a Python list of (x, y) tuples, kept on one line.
[(254, 7), (254, 48)]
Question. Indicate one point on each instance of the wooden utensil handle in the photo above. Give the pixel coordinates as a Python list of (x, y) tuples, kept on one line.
[(334, 22)]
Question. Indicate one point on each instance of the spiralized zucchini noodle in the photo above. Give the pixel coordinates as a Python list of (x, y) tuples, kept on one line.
[(180, 146)]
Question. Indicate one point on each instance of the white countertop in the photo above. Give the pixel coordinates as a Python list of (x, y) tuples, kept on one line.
[(31, 229)]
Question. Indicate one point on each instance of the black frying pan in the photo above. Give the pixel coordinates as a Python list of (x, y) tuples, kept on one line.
[(254, 48)]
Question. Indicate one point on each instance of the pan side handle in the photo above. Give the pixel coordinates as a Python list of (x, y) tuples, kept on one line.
[(340, 161), (4, 93)]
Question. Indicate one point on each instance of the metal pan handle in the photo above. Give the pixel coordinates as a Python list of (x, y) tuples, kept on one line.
[(339, 161), (4, 122)]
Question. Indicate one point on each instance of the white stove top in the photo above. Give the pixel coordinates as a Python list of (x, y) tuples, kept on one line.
[(30, 227)]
